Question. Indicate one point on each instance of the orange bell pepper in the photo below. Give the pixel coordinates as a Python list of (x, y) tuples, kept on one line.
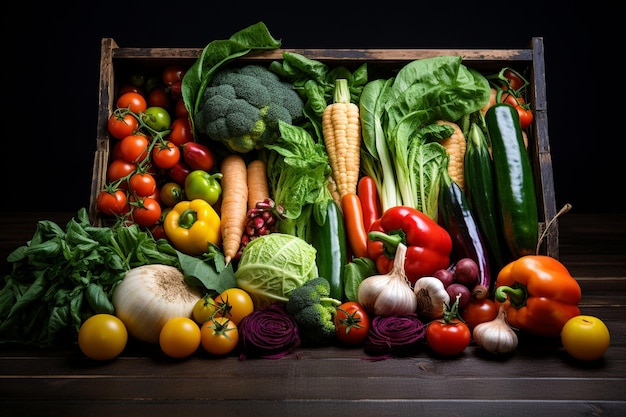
[(539, 294)]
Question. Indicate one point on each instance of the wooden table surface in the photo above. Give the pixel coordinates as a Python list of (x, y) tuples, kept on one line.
[(539, 379)]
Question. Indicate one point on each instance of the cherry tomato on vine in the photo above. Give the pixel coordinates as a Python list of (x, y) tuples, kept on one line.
[(479, 311), (448, 338), (133, 101), (142, 184), (234, 304), (119, 168), (165, 154), (146, 211), (157, 118), (113, 203), (219, 336), (120, 126), (203, 309), (181, 131), (352, 323), (134, 148)]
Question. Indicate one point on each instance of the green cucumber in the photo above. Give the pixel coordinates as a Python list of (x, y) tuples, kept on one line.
[(480, 188), (328, 237), (515, 184)]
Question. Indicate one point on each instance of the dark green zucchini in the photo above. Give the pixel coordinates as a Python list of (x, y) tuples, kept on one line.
[(457, 218), (480, 190), (515, 185), (328, 237)]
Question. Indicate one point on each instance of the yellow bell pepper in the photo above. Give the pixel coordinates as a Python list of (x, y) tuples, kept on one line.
[(192, 226)]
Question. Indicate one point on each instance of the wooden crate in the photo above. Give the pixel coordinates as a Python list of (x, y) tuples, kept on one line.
[(116, 61)]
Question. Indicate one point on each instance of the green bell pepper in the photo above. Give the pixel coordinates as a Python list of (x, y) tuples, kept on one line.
[(200, 184)]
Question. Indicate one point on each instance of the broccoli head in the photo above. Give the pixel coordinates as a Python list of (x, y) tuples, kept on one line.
[(313, 310), (241, 107)]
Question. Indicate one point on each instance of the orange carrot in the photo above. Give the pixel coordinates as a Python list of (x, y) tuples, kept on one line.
[(353, 220), (234, 203), (258, 187)]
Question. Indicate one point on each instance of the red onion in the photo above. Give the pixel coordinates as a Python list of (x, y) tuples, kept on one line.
[(268, 333), (395, 335)]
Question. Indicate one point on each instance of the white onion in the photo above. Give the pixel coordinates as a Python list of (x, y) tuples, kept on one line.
[(148, 296)]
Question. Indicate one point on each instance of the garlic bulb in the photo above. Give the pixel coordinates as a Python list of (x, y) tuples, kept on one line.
[(388, 294), (431, 296), (496, 336), (148, 296)]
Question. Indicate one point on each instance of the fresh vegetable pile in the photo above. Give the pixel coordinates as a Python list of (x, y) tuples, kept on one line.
[(252, 209)]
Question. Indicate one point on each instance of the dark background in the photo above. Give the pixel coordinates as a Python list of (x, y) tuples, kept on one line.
[(51, 66)]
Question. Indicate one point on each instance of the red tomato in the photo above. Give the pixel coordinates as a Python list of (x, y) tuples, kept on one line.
[(171, 193), (514, 80), (173, 73), (178, 173), (112, 203), (165, 155), (133, 101), (146, 211), (479, 311), (158, 231), (180, 109), (198, 156), (352, 323), (129, 88), (142, 183), (176, 90), (448, 339), (119, 168), (121, 126), (134, 148), (159, 98), (181, 131), (525, 116)]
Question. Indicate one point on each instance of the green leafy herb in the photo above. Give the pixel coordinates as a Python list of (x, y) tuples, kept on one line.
[(62, 276)]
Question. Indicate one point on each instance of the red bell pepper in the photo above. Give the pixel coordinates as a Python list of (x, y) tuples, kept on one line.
[(428, 244)]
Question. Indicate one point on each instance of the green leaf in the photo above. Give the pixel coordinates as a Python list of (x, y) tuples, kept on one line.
[(199, 273), (354, 273)]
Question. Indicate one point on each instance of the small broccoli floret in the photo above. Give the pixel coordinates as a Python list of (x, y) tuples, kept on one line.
[(241, 107), (316, 323), (313, 310)]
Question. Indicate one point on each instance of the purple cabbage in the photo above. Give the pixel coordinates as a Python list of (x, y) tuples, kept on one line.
[(268, 333), (397, 335)]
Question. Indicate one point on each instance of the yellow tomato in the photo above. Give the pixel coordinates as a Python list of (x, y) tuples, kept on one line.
[(219, 336), (585, 337), (102, 337), (179, 337), (234, 304), (204, 309)]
